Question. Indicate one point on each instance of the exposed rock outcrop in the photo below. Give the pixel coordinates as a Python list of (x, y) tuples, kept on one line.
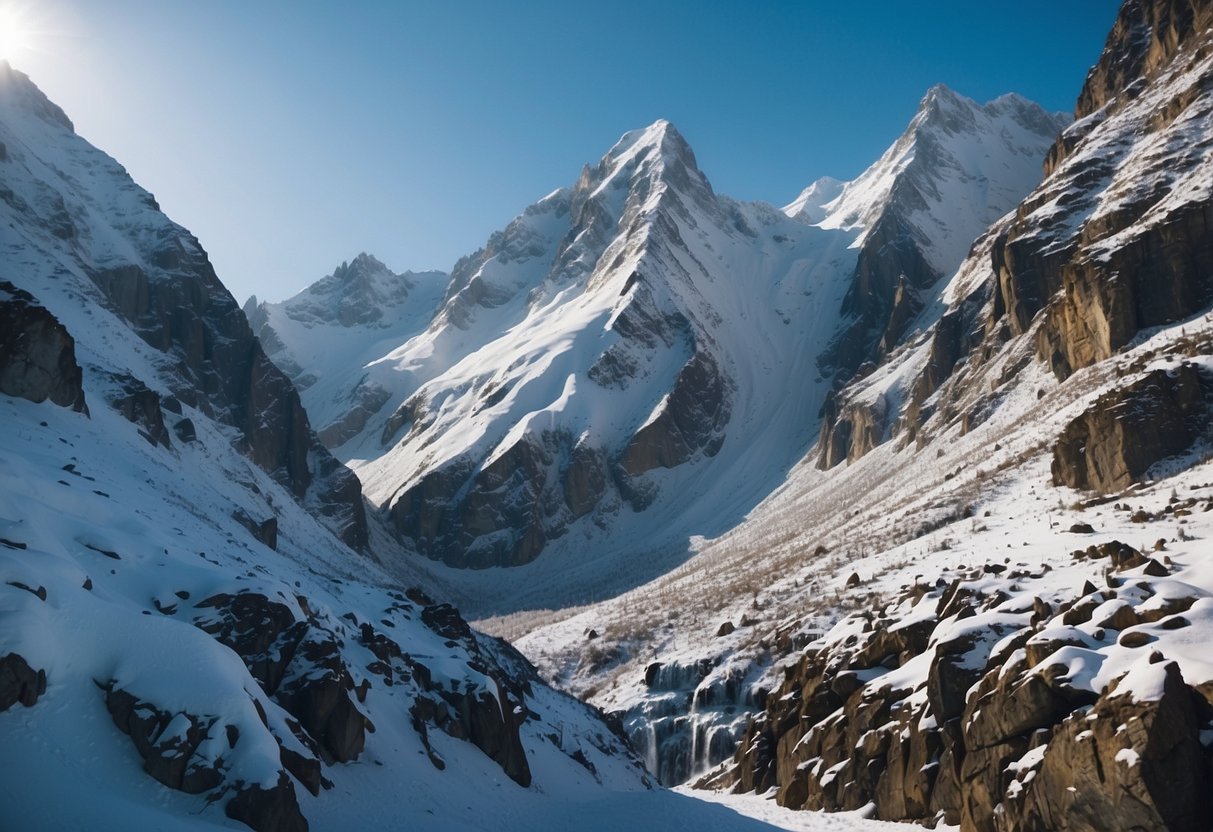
[(296, 661), (691, 420), (301, 662), (141, 406), (1125, 432), (37, 354), (1137, 761), (186, 752), (275, 809), (1113, 242), (19, 682), (850, 429)]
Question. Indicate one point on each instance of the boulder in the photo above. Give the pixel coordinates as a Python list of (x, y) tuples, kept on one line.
[(275, 809), (19, 682), (265, 531), (185, 430), (141, 406)]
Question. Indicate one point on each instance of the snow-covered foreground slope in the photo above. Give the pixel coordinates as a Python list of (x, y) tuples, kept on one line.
[(635, 360), (124, 620)]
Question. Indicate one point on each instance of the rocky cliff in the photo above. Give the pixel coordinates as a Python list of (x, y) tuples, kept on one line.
[(102, 241), (37, 355), (1114, 241), (1117, 239), (1076, 334), (972, 703)]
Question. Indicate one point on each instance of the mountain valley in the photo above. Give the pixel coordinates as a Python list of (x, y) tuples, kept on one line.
[(893, 503)]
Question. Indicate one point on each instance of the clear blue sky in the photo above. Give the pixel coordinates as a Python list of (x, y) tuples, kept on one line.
[(291, 135)]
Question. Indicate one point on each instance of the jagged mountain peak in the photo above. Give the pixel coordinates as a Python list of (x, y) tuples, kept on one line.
[(661, 138), (358, 292), (943, 110), (970, 161), (362, 264), (654, 154)]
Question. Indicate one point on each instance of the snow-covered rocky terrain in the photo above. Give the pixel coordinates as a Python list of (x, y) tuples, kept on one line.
[(983, 596), (894, 503), (636, 359)]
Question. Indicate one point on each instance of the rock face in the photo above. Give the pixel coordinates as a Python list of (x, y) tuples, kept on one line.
[(223, 371), (1134, 249), (1140, 762), (1116, 240), (37, 355), (850, 429), (959, 702), (153, 277), (1116, 441)]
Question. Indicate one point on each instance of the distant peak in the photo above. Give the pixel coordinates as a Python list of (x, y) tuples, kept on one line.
[(366, 261), (940, 90), (643, 157), (943, 107), (810, 205), (942, 99)]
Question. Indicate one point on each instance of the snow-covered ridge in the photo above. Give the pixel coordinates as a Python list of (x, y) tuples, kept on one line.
[(958, 166)]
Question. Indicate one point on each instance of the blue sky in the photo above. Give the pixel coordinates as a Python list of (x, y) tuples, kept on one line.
[(289, 136)]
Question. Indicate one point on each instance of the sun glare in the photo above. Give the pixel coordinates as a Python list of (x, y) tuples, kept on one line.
[(16, 34)]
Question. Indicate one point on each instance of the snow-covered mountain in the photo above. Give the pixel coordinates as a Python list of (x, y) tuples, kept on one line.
[(958, 167), (337, 326), (990, 609), (186, 639), (635, 359)]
